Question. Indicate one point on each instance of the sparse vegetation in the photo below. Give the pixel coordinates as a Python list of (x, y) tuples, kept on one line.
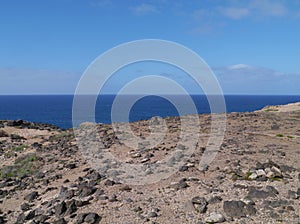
[(26, 165), (19, 148), (63, 135), (280, 135)]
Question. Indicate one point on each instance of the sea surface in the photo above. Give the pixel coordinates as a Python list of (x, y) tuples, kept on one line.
[(57, 109)]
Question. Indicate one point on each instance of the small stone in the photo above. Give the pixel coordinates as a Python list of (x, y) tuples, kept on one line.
[(71, 208), (25, 207), (71, 166), (183, 169), (109, 183), (29, 215), (136, 155), (31, 196), (87, 191), (60, 221), (200, 204), (259, 194), (102, 197), (270, 174), (215, 217), (125, 188), (190, 165), (292, 194), (80, 218), (248, 201), (92, 218), (260, 173), (238, 209), (145, 160), (60, 209), (152, 215), (179, 185), (272, 189), (215, 199), (276, 171), (253, 176), (113, 198)]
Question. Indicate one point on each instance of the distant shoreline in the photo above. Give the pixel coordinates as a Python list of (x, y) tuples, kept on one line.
[(57, 109)]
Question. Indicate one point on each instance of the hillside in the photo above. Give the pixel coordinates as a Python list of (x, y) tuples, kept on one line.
[(254, 178)]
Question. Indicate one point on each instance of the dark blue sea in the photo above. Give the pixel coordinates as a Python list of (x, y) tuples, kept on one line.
[(57, 109)]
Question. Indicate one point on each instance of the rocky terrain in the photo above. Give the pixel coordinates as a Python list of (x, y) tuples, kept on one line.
[(254, 178)]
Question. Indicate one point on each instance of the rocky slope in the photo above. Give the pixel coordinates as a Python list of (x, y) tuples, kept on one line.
[(253, 179)]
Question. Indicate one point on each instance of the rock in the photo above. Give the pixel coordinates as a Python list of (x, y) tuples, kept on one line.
[(29, 215), (94, 176), (269, 173), (81, 203), (152, 215), (103, 197), (25, 207), (71, 166), (109, 183), (80, 218), (259, 194), (253, 176), (276, 171), (275, 127), (215, 199), (260, 173), (179, 185), (66, 193), (113, 198), (60, 221), (200, 204), (60, 209), (41, 218), (272, 189), (87, 191), (215, 217), (92, 218), (248, 201), (99, 192), (145, 160), (183, 168), (31, 196), (125, 188), (292, 194), (238, 209), (71, 207)]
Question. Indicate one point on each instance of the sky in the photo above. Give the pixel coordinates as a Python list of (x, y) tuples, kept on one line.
[(252, 45)]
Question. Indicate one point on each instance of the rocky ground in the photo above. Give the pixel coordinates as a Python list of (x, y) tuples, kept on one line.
[(253, 179)]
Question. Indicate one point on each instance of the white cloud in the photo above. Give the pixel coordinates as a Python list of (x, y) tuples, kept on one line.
[(234, 13), (239, 66), (246, 79), (144, 9)]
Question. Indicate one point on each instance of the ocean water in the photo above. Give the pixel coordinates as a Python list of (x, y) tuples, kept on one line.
[(57, 109)]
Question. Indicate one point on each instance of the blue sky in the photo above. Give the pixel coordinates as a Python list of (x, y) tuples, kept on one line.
[(252, 45)]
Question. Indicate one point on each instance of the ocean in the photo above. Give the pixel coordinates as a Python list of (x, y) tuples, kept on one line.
[(57, 109)]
